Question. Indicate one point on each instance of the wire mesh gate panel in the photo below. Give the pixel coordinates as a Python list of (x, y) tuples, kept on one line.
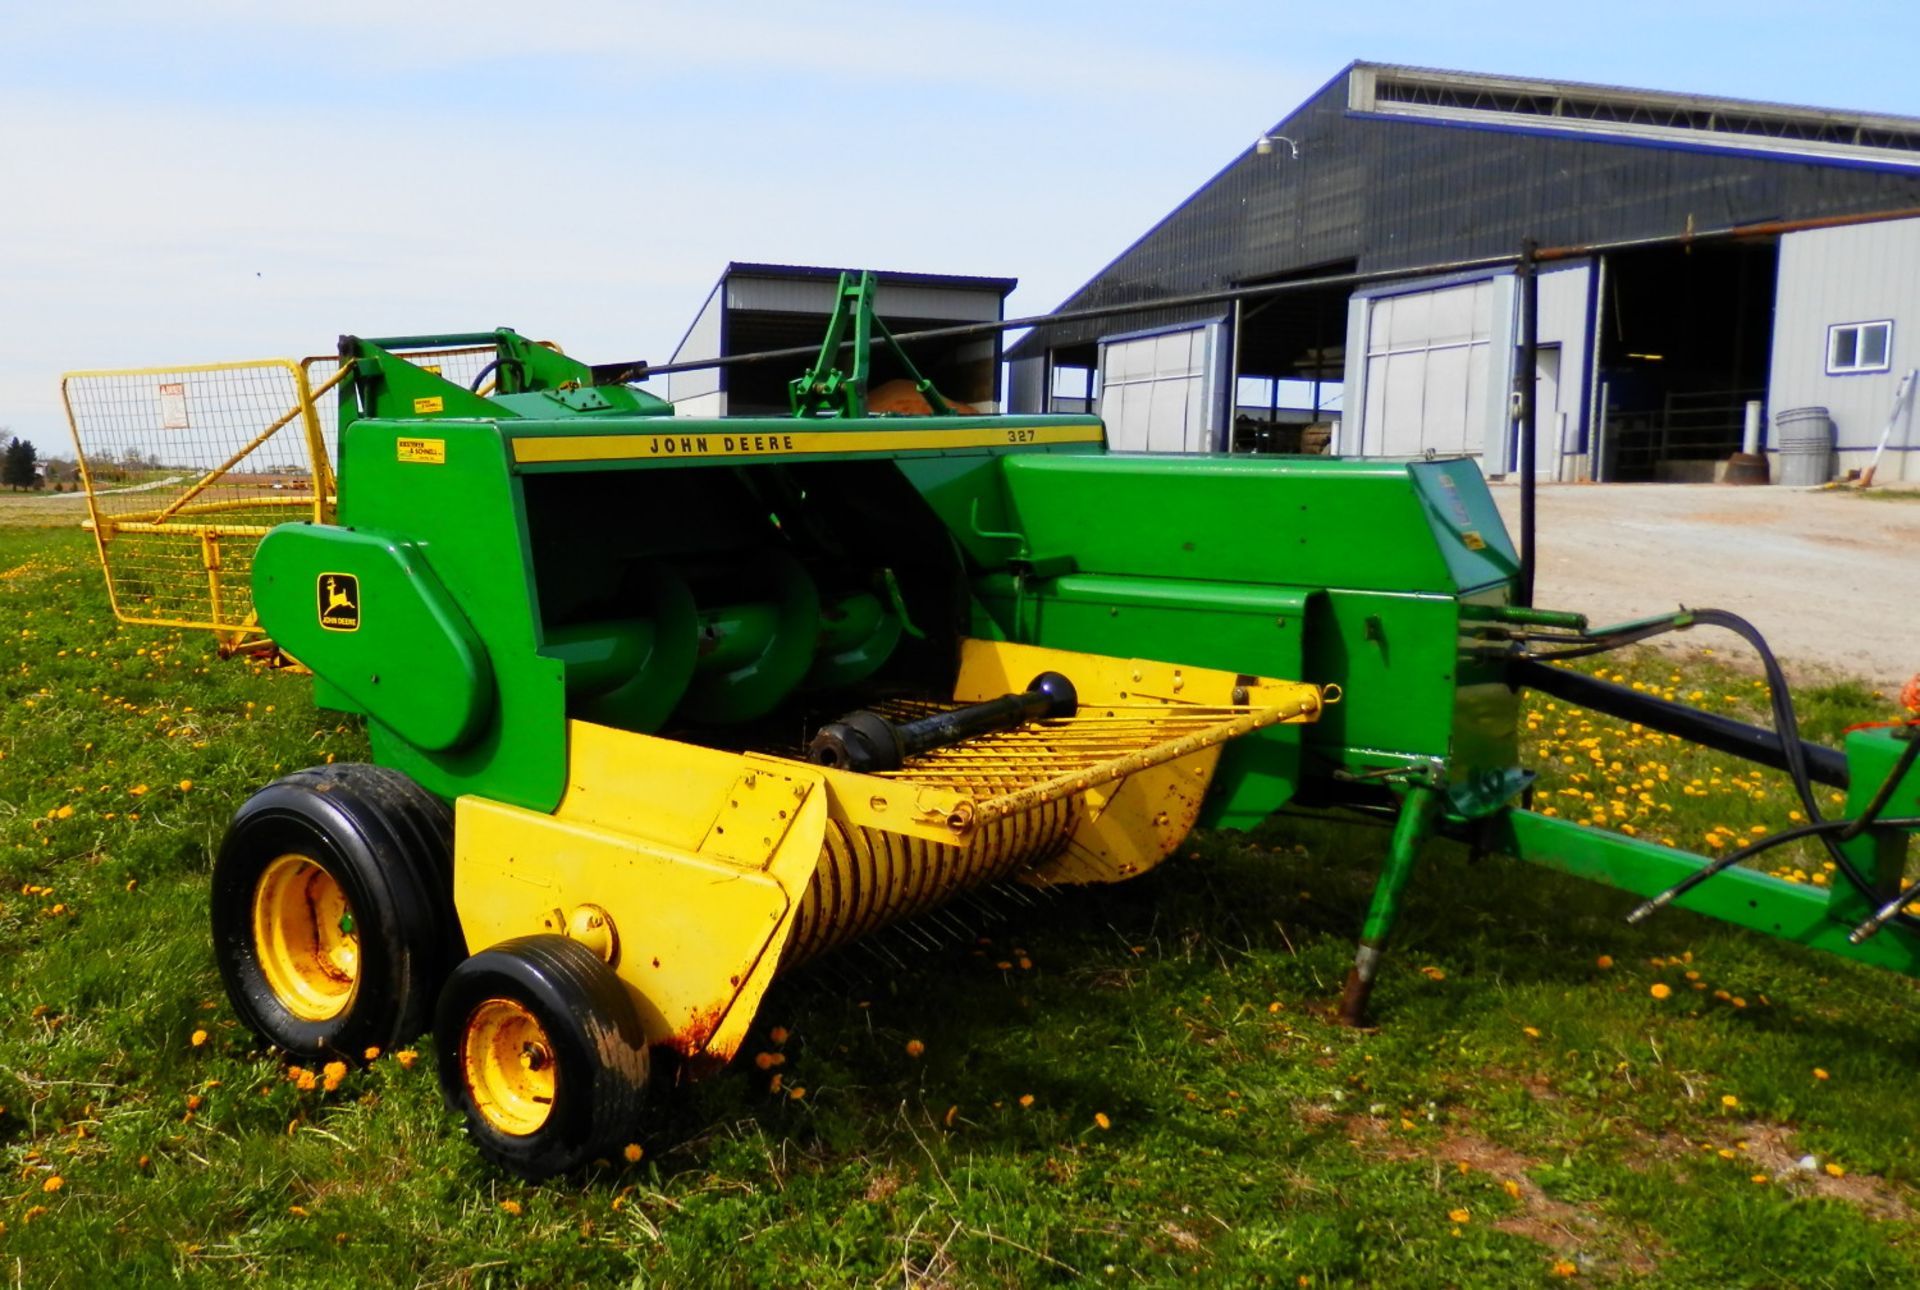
[(186, 468)]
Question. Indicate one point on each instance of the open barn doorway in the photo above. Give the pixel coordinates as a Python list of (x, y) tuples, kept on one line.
[(1685, 341)]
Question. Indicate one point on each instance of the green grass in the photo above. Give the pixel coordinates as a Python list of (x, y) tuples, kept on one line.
[(1250, 1140)]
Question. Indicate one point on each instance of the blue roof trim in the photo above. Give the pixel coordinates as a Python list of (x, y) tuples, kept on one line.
[(1658, 145)]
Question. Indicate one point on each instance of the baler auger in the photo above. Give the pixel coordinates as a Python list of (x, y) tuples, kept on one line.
[(661, 707)]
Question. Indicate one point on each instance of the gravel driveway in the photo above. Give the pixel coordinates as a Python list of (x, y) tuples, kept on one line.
[(1832, 579)]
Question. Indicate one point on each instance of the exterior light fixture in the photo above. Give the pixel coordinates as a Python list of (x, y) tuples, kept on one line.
[(1264, 145)]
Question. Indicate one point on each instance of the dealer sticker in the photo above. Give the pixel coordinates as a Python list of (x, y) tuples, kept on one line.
[(429, 452)]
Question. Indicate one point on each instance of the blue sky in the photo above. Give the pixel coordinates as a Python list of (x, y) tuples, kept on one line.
[(216, 180)]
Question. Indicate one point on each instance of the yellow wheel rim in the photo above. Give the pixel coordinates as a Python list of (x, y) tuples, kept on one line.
[(303, 932), (509, 1067)]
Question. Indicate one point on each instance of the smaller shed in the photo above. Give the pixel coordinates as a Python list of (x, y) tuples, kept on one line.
[(757, 307)]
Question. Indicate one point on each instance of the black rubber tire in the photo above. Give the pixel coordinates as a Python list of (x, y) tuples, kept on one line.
[(388, 843), (599, 1052)]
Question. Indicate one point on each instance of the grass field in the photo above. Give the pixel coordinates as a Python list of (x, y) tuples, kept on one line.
[(1131, 1085)]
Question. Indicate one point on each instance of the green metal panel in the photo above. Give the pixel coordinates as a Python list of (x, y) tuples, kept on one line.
[(1880, 854), (1308, 522), (1745, 897), (368, 612), (1465, 523), (465, 514)]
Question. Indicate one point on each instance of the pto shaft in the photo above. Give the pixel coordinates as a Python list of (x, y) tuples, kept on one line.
[(866, 741)]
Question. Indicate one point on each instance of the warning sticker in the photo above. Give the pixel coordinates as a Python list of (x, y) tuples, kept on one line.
[(432, 403), (339, 602), (173, 406), (428, 452)]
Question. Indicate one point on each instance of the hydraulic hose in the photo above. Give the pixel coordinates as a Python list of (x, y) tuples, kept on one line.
[(1732, 858), (1786, 724)]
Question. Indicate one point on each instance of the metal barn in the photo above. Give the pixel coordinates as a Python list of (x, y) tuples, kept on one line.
[(1648, 352)]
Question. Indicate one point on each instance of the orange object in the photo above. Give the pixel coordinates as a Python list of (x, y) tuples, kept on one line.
[(898, 397), (1910, 695)]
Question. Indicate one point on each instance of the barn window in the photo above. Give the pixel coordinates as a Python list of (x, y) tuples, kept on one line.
[(1859, 347)]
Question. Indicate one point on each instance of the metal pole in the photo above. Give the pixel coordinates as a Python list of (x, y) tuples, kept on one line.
[(1233, 377), (1525, 377)]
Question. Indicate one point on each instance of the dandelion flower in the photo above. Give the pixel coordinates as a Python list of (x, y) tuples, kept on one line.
[(1530, 1032), (1026, 1100), (372, 1053), (1729, 1100), (1512, 1188), (633, 1153), (1836, 1170), (511, 1206), (1660, 990), (797, 1092), (54, 1183), (915, 1048), (778, 1035), (1100, 1118), (186, 785), (406, 1057), (1565, 1268), (1604, 961), (1820, 1074), (199, 1038), (1433, 973), (1459, 1215)]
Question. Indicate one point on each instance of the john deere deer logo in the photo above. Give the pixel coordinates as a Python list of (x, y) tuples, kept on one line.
[(340, 602)]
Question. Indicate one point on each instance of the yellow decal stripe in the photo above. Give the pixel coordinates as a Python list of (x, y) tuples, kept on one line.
[(717, 442)]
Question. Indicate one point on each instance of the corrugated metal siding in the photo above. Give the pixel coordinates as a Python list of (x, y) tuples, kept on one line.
[(1847, 275), (1403, 194)]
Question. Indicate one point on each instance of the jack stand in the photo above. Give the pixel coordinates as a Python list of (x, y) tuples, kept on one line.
[(1417, 811)]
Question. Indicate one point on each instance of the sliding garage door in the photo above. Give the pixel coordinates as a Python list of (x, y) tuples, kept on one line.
[(1428, 355), (1163, 392)]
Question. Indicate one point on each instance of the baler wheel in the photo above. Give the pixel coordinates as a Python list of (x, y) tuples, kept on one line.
[(542, 1051), (333, 920)]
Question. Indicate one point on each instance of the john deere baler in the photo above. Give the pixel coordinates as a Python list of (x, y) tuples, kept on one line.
[(661, 707)]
